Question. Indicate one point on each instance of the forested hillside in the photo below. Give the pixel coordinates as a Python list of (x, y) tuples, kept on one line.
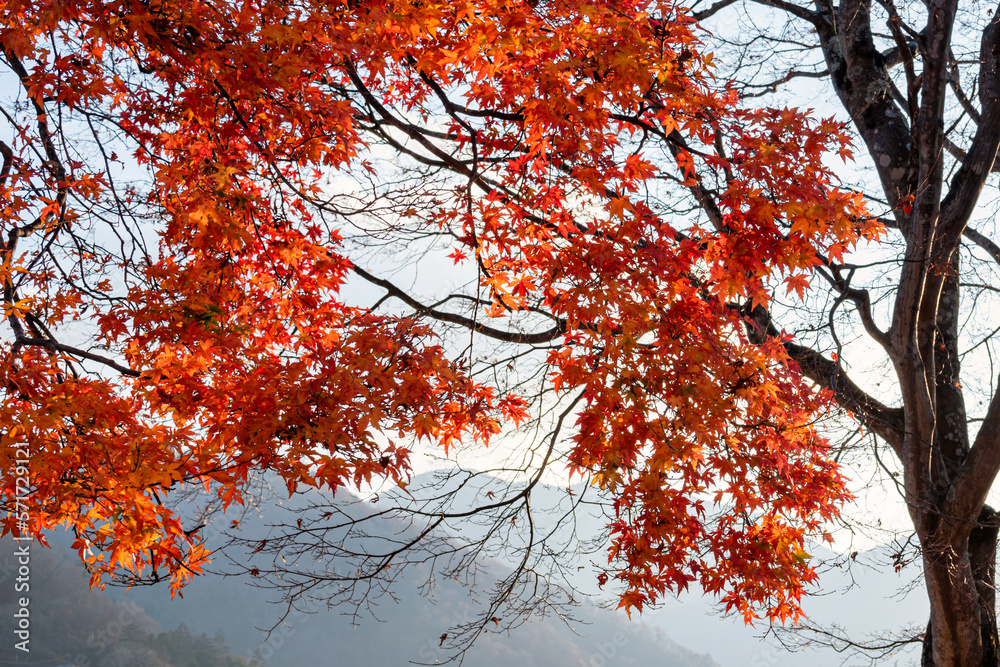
[(75, 626)]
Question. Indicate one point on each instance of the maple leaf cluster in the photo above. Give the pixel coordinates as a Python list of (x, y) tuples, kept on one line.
[(229, 346)]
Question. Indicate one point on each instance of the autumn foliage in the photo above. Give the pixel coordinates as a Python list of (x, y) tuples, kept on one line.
[(174, 269)]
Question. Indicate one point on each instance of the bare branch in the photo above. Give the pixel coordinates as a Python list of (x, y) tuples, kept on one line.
[(469, 323)]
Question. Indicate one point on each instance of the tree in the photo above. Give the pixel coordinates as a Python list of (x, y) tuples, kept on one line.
[(622, 229), (900, 73)]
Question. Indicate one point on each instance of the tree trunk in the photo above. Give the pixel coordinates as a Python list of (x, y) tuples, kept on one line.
[(961, 587), (983, 555)]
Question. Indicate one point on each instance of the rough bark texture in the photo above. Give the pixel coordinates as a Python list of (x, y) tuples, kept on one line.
[(981, 549), (983, 553)]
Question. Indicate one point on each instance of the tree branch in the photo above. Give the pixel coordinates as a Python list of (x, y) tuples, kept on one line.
[(469, 323), (971, 176), (53, 346), (884, 421)]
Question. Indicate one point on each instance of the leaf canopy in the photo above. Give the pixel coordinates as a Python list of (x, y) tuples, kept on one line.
[(167, 203)]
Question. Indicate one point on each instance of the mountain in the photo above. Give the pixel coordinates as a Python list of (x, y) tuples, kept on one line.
[(120, 628), (402, 627), (407, 626), (64, 622)]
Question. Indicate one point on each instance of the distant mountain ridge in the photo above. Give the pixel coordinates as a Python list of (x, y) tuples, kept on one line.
[(407, 630), (410, 630)]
